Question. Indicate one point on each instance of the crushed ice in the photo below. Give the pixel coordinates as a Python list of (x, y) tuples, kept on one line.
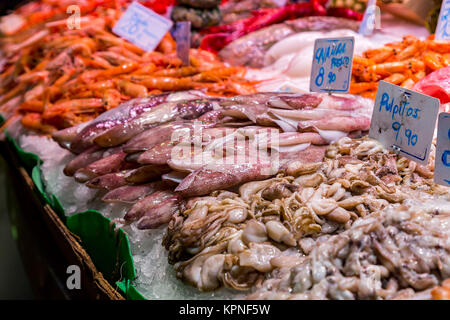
[(156, 278)]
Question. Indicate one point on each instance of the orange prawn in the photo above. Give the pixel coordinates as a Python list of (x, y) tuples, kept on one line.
[(356, 88), (75, 106), (175, 72), (395, 78), (132, 89), (32, 105), (111, 98), (33, 120), (433, 60), (215, 74), (168, 83), (167, 44)]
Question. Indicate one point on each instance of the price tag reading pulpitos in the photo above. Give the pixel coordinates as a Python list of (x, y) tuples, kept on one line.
[(332, 65), (442, 160), (142, 26), (443, 27), (404, 121)]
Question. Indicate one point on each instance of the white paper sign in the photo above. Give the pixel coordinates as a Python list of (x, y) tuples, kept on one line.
[(442, 161), (142, 26), (404, 121), (443, 27), (332, 65), (370, 18)]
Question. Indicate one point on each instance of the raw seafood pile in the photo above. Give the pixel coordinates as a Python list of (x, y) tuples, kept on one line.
[(219, 36), (233, 10), (400, 253), (33, 14), (201, 13), (287, 63), (131, 151), (357, 5), (236, 239), (56, 77), (256, 198), (402, 63), (250, 50), (436, 84)]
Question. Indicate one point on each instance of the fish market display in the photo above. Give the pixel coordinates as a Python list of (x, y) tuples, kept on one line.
[(140, 152), (229, 178), (250, 50), (402, 63), (265, 229), (55, 77)]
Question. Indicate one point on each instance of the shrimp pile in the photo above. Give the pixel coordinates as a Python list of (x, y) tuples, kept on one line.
[(235, 239), (54, 77), (402, 63), (34, 13)]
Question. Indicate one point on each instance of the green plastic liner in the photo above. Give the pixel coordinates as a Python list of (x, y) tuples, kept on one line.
[(131, 293), (109, 249)]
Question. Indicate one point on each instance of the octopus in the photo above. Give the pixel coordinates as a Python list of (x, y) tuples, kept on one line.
[(243, 239)]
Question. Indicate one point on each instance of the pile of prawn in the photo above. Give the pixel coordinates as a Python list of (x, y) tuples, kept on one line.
[(54, 77), (35, 13), (402, 63)]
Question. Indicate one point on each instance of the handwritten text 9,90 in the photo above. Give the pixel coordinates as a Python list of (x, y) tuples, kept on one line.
[(387, 105)]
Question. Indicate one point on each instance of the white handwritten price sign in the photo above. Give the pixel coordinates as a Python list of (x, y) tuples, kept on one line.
[(404, 120), (142, 26), (442, 161), (332, 65), (443, 27)]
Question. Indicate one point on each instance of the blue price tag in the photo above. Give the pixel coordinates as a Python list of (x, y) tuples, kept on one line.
[(332, 65), (443, 27), (370, 18), (182, 34), (142, 26), (404, 121), (442, 160)]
